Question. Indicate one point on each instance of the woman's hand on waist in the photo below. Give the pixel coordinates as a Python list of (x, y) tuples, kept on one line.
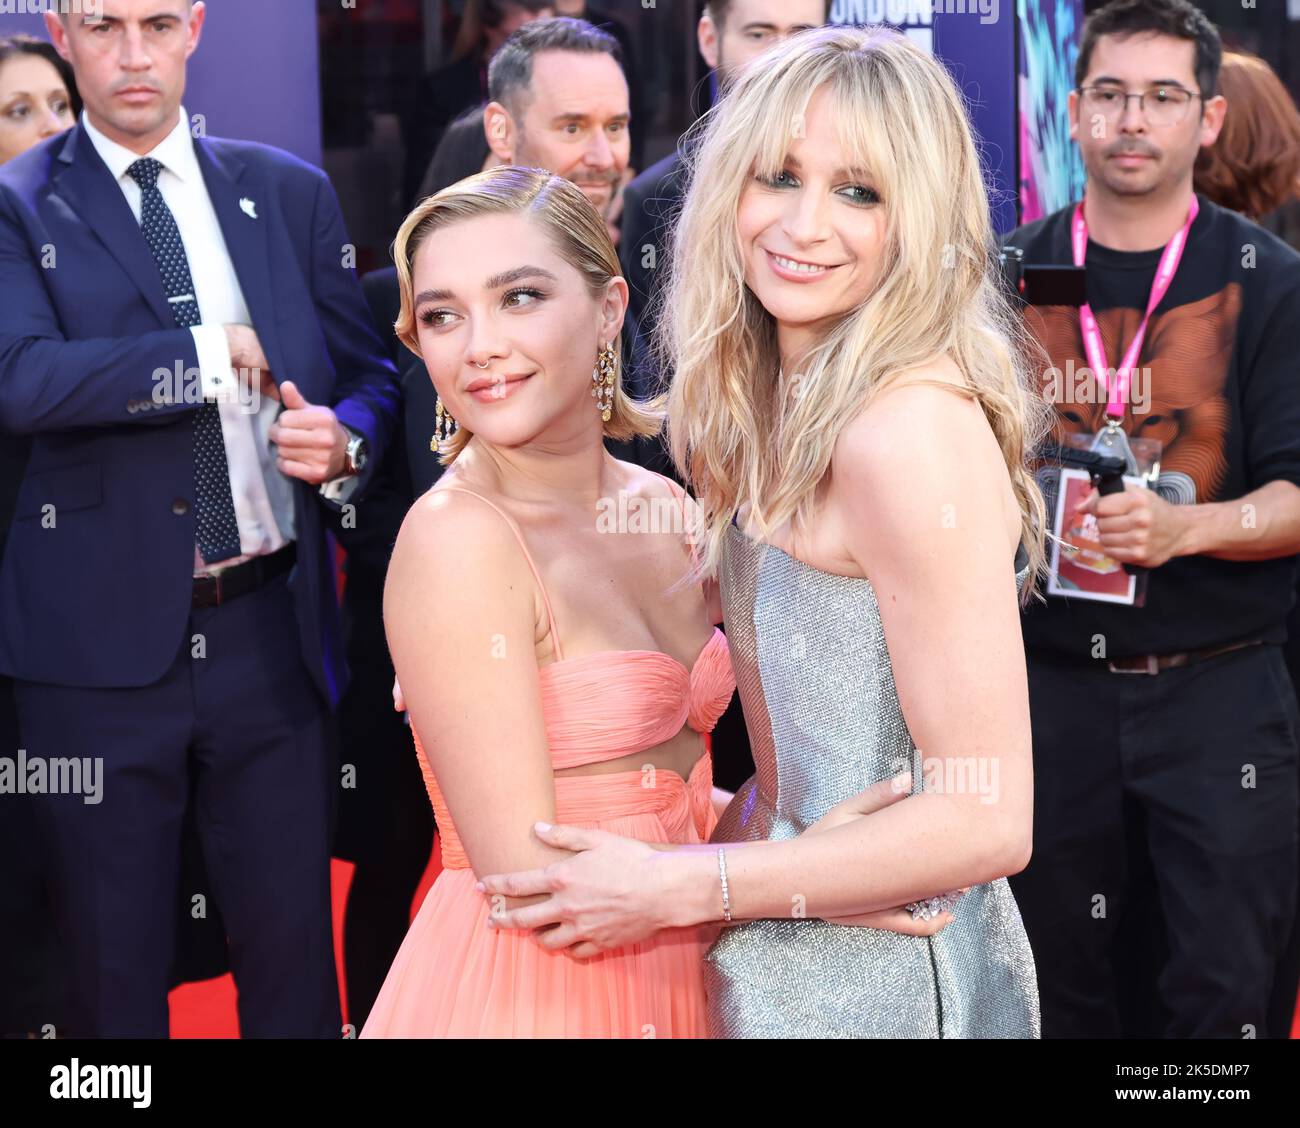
[(875, 798), (609, 894)]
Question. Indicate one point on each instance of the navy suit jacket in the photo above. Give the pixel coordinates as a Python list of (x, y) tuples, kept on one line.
[(95, 584), (650, 204)]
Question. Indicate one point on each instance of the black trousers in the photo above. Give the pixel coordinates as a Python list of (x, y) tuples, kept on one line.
[(1190, 778), (385, 823), (237, 727), (33, 988)]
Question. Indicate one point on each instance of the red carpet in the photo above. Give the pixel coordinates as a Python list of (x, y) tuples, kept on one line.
[(207, 1009)]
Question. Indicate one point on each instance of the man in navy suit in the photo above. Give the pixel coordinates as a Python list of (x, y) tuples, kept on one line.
[(196, 367)]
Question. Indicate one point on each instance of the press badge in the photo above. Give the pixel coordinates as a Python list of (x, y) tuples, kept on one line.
[(1080, 566)]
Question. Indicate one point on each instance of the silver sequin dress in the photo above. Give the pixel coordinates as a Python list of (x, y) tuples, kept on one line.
[(824, 723)]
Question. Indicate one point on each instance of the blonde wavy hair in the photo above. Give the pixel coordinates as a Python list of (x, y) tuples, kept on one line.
[(579, 236), (899, 114)]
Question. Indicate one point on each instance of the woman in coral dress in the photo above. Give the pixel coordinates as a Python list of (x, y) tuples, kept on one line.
[(554, 666)]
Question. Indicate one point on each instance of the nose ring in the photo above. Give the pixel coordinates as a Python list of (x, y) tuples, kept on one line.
[(482, 365)]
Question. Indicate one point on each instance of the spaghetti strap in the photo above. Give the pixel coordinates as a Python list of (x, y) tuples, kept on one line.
[(514, 528)]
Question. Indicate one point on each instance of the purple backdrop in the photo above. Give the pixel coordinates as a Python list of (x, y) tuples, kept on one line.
[(976, 40), (255, 74)]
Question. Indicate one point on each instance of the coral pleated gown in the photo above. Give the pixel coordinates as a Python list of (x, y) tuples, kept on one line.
[(455, 977)]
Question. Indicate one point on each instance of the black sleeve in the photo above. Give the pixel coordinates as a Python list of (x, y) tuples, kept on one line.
[(459, 154), (368, 535), (636, 102), (1270, 378), (636, 232), (384, 300)]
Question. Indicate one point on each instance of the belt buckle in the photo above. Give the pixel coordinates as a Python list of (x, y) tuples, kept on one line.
[(1152, 667)]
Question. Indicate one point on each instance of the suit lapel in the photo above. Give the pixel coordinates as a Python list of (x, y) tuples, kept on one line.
[(241, 205), (97, 200)]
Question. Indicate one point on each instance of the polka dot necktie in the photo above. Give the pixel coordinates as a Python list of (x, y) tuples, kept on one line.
[(215, 527)]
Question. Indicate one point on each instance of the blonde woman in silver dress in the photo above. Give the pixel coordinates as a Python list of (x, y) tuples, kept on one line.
[(850, 409)]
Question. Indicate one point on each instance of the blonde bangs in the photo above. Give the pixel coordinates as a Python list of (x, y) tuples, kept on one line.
[(901, 119)]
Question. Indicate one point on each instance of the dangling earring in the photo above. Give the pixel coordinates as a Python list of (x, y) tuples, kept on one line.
[(444, 426), (603, 377)]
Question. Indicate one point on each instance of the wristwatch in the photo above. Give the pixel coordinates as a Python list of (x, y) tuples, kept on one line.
[(358, 451)]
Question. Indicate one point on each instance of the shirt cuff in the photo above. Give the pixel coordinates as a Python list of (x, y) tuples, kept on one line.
[(216, 377)]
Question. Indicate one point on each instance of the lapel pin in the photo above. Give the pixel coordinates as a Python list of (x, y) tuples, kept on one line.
[(248, 207)]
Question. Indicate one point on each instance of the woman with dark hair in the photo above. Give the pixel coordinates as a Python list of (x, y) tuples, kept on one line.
[(1254, 166), (38, 95)]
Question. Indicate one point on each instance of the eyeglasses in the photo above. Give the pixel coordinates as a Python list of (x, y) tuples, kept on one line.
[(1163, 105)]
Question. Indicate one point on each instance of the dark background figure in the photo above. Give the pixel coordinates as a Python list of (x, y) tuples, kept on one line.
[(385, 822), (38, 99), (442, 95), (462, 152), (1254, 168), (559, 100), (38, 94)]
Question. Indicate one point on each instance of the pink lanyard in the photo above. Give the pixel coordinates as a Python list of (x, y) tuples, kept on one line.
[(1117, 389)]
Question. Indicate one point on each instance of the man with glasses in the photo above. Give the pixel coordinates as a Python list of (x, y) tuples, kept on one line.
[(1163, 105), (1165, 727)]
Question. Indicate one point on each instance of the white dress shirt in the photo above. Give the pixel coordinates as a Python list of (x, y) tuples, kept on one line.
[(263, 496)]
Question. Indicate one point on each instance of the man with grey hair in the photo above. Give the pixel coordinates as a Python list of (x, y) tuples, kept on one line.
[(559, 100)]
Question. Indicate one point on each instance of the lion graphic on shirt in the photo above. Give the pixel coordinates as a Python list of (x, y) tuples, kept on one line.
[(1187, 350)]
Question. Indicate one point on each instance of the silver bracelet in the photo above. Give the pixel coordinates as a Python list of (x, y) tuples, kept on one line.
[(722, 873)]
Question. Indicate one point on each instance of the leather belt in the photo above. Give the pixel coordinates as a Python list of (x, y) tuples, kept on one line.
[(240, 579), (1154, 663)]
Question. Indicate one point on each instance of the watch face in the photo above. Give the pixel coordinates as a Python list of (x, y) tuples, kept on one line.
[(357, 454)]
